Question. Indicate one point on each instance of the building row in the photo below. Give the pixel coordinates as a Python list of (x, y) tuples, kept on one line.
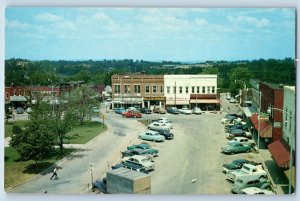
[(141, 90)]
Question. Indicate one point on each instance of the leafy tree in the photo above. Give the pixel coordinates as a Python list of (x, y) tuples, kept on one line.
[(35, 142), (82, 99), (239, 77)]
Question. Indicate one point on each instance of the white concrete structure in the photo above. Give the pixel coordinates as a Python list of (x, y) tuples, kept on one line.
[(289, 120), (179, 88)]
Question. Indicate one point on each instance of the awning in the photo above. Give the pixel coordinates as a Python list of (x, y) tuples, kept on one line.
[(247, 112), (266, 129), (217, 101), (18, 99), (280, 153), (178, 102), (287, 173)]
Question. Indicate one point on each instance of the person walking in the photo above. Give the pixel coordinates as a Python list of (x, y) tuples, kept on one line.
[(54, 173)]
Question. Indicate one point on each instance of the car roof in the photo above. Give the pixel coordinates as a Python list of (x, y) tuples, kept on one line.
[(255, 190), (239, 138), (240, 160), (139, 157), (151, 131)]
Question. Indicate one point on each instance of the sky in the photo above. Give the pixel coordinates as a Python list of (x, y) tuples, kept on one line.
[(153, 34)]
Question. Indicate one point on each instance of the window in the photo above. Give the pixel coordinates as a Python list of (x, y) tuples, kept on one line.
[(154, 89), (208, 90), (186, 90), (174, 90), (193, 90), (213, 90), (180, 90), (7, 95), (203, 90), (198, 90), (168, 90), (161, 89), (126, 89), (117, 89), (137, 89), (147, 89)]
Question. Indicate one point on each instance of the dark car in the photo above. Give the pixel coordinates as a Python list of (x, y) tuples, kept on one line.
[(237, 126), (172, 110), (100, 185), (167, 134), (137, 151), (234, 115), (146, 110), (236, 133), (140, 146), (236, 164)]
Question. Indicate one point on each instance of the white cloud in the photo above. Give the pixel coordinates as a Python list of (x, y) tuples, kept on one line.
[(201, 21), (48, 17), (263, 22), (15, 24)]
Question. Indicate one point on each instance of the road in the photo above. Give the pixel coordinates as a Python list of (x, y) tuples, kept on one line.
[(103, 151)]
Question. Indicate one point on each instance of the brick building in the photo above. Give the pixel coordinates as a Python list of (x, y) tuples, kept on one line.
[(137, 90), (272, 96)]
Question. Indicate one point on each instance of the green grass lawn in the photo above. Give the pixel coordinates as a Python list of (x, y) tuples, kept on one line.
[(8, 127), (84, 133), (17, 172)]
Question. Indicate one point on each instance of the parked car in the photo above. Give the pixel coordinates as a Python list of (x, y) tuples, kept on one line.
[(236, 147), (235, 133), (242, 140), (137, 151), (133, 114), (249, 171), (143, 146), (227, 119), (131, 165), (152, 136), (185, 110), (140, 160), (29, 110), (236, 126), (172, 110), (120, 110), (164, 120), (159, 110), (146, 110), (197, 110), (131, 109), (236, 164), (243, 183), (256, 191), (19, 110), (228, 96), (157, 126), (167, 134)]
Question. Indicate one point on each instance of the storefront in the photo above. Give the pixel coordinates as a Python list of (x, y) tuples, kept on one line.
[(126, 101), (151, 102)]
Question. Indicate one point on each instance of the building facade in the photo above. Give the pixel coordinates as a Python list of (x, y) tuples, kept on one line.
[(272, 96), (288, 131), (137, 90), (192, 90)]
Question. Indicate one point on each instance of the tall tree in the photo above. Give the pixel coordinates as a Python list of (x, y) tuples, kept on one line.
[(239, 77)]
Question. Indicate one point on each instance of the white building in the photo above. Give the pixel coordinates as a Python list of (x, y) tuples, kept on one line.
[(289, 120), (191, 90)]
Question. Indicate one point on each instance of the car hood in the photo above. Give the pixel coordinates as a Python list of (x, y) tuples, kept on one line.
[(229, 166)]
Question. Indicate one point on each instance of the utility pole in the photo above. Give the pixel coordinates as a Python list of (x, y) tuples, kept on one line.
[(175, 93)]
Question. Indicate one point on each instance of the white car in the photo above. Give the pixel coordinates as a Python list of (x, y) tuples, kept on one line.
[(242, 140), (197, 110), (157, 126), (232, 100), (152, 136), (228, 97), (256, 191), (145, 161), (185, 111)]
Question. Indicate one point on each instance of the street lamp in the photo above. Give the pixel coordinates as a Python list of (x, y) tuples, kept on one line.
[(269, 110)]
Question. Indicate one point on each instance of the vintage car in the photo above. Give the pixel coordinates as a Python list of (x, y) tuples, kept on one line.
[(120, 110), (152, 136), (137, 151), (236, 164), (235, 133), (247, 182), (197, 110), (146, 110), (157, 126), (167, 134), (143, 146), (145, 161), (242, 140), (185, 110), (236, 147), (256, 191), (159, 110), (172, 110), (133, 114)]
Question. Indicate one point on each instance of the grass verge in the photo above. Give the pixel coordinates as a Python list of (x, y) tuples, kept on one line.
[(82, 134), (17, 172), (8, 127)]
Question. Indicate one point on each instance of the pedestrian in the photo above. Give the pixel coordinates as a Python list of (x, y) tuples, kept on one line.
[(54, 173)]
